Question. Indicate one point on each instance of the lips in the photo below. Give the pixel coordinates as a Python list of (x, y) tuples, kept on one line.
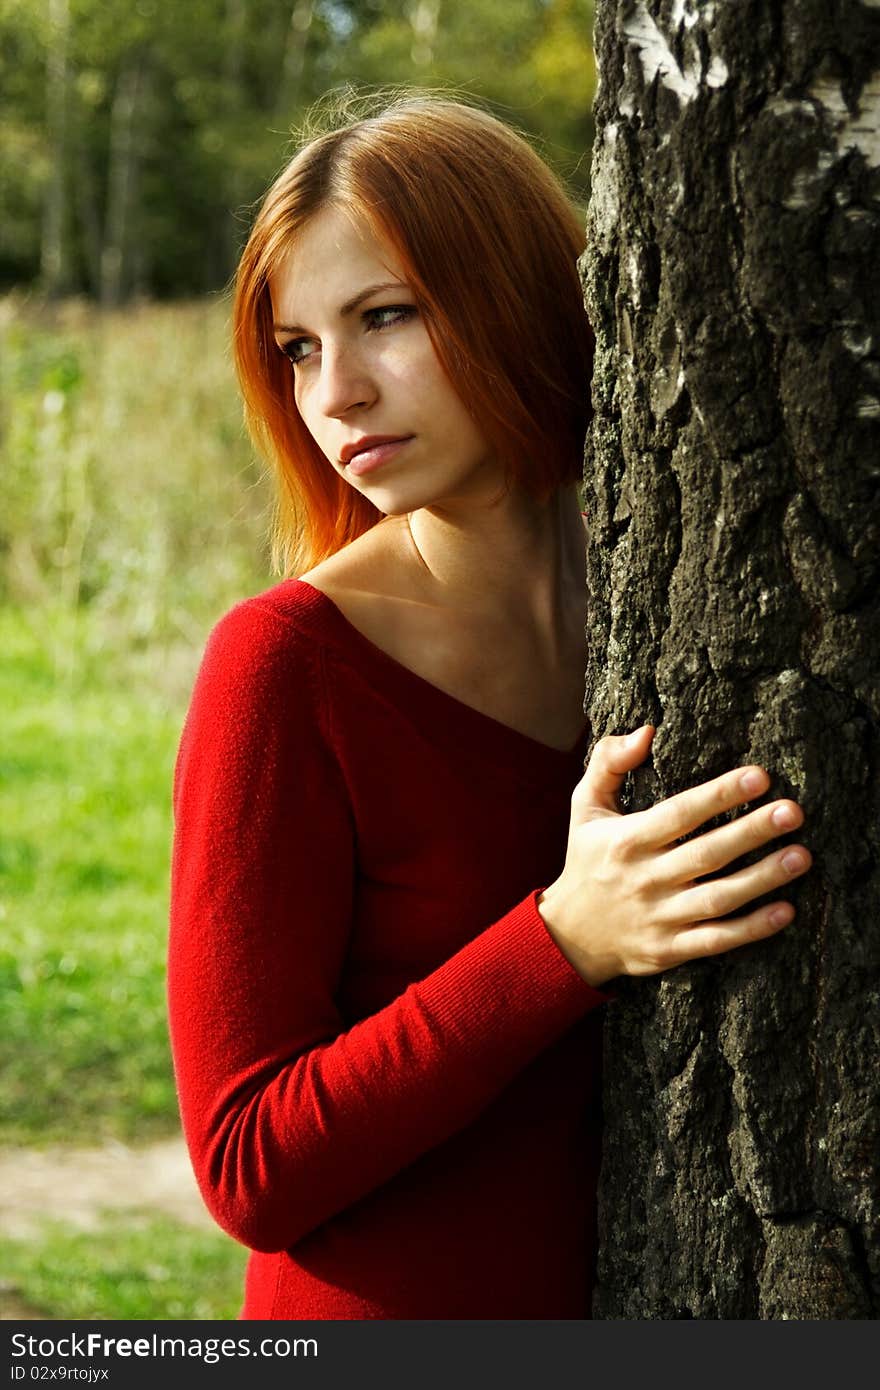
[(372, 452), (369, 441)]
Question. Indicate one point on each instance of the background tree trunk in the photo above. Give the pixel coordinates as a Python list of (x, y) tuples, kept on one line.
[(122, 173), (732, 488), (301, 16), (53, 250)]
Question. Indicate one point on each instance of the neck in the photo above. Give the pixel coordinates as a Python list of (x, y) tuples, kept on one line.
[(510, 558)]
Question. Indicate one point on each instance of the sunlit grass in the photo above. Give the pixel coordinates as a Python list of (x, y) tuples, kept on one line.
[(86, 772), (127, 482), (137, 1267), (132, 514)]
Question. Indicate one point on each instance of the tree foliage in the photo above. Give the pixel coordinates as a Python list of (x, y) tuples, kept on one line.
[(136, 136)]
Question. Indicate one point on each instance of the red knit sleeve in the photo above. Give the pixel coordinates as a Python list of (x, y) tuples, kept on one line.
[(290, 1117)]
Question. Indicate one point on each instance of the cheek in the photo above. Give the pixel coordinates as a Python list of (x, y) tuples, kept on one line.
[(300, 395), (310, 418)]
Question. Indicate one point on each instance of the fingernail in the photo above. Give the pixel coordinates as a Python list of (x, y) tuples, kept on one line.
[(780, 915), (792, 862), (752, 781), (784, 817)]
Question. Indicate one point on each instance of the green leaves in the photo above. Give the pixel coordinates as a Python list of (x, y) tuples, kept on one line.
[(196, 138)]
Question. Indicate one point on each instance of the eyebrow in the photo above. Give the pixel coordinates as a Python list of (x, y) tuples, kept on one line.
[(350, 304)]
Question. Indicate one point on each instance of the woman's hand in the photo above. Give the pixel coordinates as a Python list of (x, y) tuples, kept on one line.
[(629, 900)]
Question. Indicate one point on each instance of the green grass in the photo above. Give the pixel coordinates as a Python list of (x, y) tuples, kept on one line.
[(132, 514), (85, 780), (140, 1268), (86, 761), (127, 483)]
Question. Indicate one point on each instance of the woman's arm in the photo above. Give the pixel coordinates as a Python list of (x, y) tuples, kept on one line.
[(290, 1117)]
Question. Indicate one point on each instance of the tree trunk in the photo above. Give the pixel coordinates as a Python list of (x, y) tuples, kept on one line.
[(87, 205), (125, 139), (293, 66), (732, 490), (53, 258), (236, 20)]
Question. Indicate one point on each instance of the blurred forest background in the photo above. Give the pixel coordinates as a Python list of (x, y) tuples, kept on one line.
[(136, 135), (135, 140)]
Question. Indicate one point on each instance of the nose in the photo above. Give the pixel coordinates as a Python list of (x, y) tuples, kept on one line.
[(345, 382)]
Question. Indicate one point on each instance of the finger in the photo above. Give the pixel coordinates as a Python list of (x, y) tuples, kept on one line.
[(611, 759), (706, 901), (717, 848), (713, 938), (680, 814)]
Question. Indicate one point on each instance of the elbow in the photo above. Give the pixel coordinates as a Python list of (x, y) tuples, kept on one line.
[(248, 1216), (252, 1215), (250, 1189)]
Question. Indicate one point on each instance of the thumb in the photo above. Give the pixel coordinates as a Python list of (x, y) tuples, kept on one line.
[(611, 759)]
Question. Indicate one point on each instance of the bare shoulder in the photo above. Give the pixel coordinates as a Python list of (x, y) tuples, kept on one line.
[(378, 564), (372, 565), (373, 583)]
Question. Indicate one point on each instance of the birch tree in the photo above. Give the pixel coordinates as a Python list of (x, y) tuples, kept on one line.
[(732, 490)]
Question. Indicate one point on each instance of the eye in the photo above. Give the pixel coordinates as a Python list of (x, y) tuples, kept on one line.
[(388, 315), (297, 349), (301, 350)]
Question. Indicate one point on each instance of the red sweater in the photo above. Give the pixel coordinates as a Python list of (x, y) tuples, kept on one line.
[(387, 1070)]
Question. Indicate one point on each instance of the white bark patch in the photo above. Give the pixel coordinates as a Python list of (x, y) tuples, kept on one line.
[(717, 73), (656, 57), (860, 132), (848, 132), (858, 344), (604, 200), (634, 275), (685, 13), (641, 32)]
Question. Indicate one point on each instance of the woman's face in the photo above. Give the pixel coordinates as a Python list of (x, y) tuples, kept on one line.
[(365, 370)]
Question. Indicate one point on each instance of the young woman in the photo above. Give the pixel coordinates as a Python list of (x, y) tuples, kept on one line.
[(397, 896)]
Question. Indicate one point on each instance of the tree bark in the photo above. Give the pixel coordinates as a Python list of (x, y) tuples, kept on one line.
[(732, 489)]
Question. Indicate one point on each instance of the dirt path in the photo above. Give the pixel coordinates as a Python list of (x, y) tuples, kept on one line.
[(78, 1186)]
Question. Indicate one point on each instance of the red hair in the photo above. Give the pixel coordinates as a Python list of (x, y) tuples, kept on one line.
[(489, 243)]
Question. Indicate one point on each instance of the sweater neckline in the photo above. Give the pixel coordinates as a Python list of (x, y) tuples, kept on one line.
[(446, 716)]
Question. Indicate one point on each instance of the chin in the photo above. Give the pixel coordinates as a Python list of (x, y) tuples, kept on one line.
[(403, 496), (399, 499)]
